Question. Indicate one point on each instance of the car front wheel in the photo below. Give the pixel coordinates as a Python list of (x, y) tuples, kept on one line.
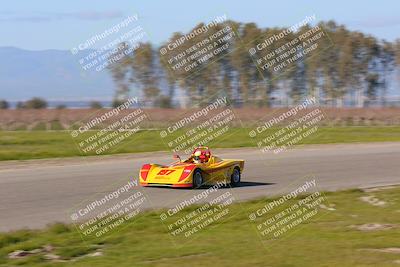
[(197, 179), (235, 177)]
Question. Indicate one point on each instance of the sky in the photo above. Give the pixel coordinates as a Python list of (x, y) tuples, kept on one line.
[(49, 24)]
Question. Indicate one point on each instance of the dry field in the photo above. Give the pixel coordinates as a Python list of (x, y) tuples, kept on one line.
[(53, 119)]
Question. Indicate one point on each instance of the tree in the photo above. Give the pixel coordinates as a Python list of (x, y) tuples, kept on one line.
[(20, 105), (121, 71), (397, 50), (115, 103), (372, 85), (348, 65), (35, 103), (174, 81), (61, 106), (4, 104), (145, 75), (164, 102), (387, 58), (243, 64), (96, 105)]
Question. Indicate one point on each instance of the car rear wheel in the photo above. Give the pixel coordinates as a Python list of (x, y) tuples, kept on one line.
[(197, 179), (235, 177)]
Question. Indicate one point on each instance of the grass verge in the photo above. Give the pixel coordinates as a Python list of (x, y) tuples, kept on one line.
[(19, 145), (333, 239)]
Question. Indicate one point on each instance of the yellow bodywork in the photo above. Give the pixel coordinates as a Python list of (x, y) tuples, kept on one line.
[(180, 174)]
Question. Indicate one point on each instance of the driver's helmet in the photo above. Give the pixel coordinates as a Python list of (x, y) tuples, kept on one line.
[(196, 156), (201, 156)]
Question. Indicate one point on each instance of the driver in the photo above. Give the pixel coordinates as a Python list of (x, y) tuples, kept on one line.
[(196, 157)]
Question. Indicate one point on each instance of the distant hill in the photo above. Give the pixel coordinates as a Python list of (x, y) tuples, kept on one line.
[(51, 74)]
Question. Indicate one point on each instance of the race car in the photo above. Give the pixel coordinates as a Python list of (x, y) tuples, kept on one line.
[(201, 168)]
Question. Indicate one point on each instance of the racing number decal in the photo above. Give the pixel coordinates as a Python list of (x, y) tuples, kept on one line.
[(165, 172)]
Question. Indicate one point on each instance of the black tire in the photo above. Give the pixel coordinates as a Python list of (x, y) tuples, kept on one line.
[(198, 179), (235, 177)]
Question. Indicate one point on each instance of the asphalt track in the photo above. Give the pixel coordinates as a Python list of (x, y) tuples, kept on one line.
[(35, 193)]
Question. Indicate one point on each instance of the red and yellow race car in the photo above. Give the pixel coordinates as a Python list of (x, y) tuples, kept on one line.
[(201, 168)]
